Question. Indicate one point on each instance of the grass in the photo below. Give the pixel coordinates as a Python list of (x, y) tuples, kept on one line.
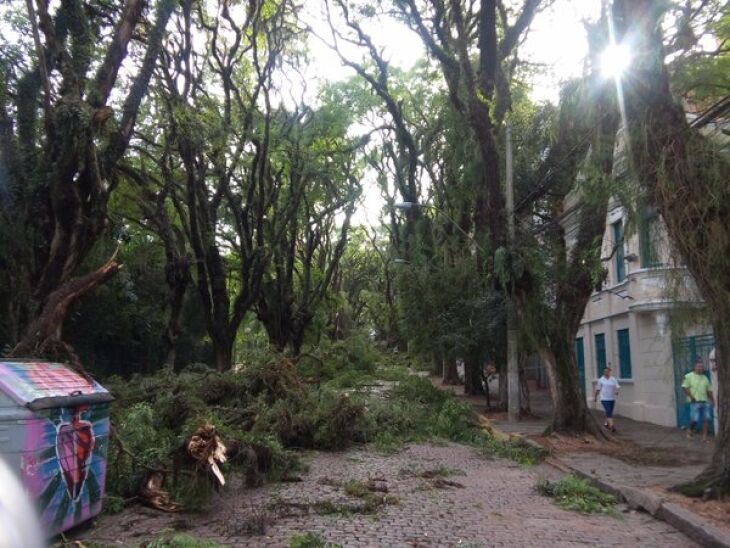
[(438, 472), (368, 493), (309, 540), (180, 540), (520, 452), (571, 493)]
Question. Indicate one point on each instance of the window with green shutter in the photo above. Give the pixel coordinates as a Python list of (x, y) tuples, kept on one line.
[(580, 363), (600, 343), (649, 239), (618, 242), (624, 353)]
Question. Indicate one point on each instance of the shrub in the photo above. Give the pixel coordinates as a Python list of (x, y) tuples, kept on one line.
[(454, 421), (180, 540), (578, 495), (309, 540), (518, 451)]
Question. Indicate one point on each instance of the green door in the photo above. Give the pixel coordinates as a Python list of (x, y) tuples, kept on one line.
[(685, 351), (580, 360)]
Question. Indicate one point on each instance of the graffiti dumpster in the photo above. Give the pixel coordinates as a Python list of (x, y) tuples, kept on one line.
[(54, 433)]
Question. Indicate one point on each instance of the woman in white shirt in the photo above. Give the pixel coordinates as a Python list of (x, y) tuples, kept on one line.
[(607, 387)]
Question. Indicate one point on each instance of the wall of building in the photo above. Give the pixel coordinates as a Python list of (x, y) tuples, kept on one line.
[(641, 302)]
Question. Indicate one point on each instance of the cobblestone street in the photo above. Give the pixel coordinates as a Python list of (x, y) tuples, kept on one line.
[(484, 502)]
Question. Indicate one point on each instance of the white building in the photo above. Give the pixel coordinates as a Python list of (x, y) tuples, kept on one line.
[(627, 321)]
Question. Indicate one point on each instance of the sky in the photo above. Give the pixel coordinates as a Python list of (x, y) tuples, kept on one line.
[(556, 42)]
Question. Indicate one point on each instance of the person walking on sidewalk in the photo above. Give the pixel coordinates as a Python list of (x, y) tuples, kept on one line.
[(607, 388), (698, 389)]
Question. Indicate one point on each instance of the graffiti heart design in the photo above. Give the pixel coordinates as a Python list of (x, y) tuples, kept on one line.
[(74, 448)]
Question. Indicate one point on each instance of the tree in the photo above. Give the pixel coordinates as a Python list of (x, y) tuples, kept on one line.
[(317, 175), (148, 193), (686, 176), (480, 92), (60, 143), (569, 194), (222, 144)]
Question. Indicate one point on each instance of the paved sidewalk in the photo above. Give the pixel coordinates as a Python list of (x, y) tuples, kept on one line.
[(679, 459), (653, 458), (487, 503)]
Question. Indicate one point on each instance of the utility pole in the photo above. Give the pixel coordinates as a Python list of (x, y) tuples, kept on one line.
[(513, 374)]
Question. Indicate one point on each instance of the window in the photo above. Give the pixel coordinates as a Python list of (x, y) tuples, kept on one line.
[(618, 242), (580, 363), (600, 343), (649, 239), (624, 353)]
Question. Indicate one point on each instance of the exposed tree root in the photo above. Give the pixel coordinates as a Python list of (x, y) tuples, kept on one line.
[(711, 484)]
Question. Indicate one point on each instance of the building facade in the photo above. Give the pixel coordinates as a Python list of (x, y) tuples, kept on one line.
[(626, 324)]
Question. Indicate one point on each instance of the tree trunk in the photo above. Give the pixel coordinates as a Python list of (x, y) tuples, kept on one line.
[(450, 372), (43, 339), (473, 376), (687, 178), (502, 387), (525, 408), (223, 349), (570, 412), (437, 364), (178, 278)]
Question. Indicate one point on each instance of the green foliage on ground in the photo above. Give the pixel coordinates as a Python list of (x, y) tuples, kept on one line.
[(180, 540), (518, 451), (578, 495), (269, 410), (309, 540)]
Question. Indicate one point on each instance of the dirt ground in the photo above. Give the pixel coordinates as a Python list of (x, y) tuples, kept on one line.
[(425, 495), (622, 449), (716, 512)]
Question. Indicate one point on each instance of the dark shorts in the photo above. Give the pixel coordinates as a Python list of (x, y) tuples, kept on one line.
[(700, 411), (608, 406)]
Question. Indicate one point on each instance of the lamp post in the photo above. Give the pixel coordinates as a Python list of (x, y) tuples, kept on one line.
[(513, 373)]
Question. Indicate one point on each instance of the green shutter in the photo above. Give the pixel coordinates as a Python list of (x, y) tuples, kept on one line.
[(618, 242), (648, 239), (624, 353), (600, 343), (580, 361)]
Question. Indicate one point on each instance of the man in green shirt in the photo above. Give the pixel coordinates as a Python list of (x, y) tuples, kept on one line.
[(698, 389)]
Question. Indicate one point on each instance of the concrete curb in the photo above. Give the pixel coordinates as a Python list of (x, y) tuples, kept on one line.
[(694, 526)]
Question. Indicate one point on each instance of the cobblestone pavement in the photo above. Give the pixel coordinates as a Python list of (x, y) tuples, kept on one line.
[(497, 506)]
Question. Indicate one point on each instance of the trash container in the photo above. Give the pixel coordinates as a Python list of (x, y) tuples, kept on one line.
[(54, 434)]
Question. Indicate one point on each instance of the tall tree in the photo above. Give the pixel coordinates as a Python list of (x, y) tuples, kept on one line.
[(686, 176), (63, 134), (318, 177), (223, 141), (569, 196), (480, 92)]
